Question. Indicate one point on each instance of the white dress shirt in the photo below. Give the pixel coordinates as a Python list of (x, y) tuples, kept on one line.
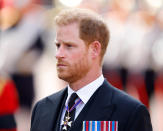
[(84, 94)]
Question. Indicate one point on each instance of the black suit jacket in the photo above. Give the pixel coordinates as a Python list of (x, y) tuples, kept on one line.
[(106, 104)]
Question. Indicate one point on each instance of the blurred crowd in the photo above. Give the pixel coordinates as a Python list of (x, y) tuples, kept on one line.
[(133, 62), (21, 45)]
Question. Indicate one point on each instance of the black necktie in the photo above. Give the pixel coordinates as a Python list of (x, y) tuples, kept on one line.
[(70, 113)]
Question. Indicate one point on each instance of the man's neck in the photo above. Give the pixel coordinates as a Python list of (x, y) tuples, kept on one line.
[(85, 80)]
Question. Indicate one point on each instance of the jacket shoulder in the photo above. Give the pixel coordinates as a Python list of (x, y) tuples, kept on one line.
[(123, 100), (46, 108)]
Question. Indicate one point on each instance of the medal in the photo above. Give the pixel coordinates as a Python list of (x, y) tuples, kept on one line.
[(100, 126), (66, 122)]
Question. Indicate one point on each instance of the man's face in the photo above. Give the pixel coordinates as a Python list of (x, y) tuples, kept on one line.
[(73, 57)]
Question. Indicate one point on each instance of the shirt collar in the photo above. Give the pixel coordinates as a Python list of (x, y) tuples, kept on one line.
[(87, 91)]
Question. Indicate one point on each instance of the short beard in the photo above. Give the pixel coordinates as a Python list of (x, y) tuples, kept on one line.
[(77, 71)]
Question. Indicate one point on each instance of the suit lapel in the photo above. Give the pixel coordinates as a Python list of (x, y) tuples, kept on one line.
[(98, 108), (50, 118), (57, 125)]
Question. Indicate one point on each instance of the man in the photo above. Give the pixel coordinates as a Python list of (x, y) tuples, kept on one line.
[(81, 39)]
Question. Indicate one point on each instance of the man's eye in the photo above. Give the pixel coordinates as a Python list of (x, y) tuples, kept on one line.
[(69, 46), (57, 45)]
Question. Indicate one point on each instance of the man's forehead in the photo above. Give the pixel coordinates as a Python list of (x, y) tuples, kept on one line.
[(67, 32)]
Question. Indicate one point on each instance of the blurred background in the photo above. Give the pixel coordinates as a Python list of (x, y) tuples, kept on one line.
[(133, 61)]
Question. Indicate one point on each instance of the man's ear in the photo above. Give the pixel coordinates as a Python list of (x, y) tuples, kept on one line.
[(95, 48)]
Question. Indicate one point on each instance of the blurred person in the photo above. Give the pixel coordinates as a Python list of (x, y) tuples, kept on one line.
[(9, 103), (157, 55), (20, 32), (21, 46), (81, 39), (135, 53), (151, 39), (117, 15), (9, 100)]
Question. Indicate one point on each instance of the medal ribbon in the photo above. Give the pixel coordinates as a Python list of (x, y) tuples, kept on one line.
[(74, 106)]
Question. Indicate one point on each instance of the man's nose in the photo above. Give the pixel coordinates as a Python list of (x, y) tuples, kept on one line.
[(59, 53)]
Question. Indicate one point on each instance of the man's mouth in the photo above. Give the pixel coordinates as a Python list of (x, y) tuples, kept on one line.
[(61, 65)]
